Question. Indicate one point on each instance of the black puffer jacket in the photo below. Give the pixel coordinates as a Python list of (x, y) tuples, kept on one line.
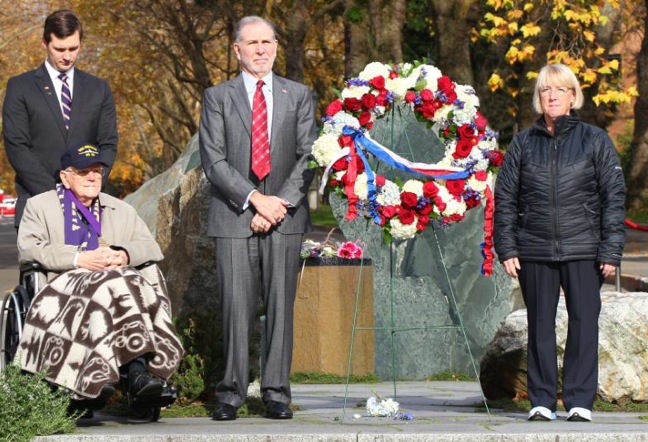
[(562, 197)]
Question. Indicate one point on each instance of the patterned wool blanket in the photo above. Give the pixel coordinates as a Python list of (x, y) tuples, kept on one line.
[(84, 325)]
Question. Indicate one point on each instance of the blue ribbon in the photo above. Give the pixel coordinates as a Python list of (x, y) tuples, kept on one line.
[(362, 142)]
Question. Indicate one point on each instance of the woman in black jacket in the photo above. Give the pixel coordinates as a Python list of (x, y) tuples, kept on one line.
[(559, 222)]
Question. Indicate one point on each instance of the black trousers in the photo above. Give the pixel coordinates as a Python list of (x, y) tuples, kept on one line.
[(540, 283)]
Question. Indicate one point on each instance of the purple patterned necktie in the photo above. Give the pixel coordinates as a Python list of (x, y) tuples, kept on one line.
[(66, 100)]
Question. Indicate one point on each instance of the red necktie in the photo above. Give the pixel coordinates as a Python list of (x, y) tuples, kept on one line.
[(260, 141)]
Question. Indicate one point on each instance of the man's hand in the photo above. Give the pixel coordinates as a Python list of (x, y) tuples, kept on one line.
[(102, 258), (270, 207), (260, 224), (511, 267)]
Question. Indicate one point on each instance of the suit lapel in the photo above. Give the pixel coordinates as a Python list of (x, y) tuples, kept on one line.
[(46, 87), (239, 97), (79, 97), (279, 106)]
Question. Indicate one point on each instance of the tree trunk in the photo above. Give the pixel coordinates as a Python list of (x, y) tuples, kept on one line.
[(637, 176), (454, 21)]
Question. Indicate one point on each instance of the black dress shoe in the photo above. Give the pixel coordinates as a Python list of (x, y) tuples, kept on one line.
[(224, 412), (278, 410), (142, 384)]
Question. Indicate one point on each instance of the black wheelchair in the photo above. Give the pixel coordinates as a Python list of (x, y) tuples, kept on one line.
[(15, 306)]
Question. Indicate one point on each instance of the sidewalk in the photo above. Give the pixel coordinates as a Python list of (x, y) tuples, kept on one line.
[(443, 411)]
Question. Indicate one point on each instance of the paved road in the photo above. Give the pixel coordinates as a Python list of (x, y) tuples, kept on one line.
[(8, 254)]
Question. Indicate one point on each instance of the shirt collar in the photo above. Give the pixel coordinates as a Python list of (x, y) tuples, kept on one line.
[(251, 82), (54, 73)]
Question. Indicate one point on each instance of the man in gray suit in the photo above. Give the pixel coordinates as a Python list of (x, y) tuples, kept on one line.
[(45, 113), (256, 133)]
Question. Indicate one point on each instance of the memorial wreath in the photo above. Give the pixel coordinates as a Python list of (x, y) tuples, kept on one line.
[(440, 192)]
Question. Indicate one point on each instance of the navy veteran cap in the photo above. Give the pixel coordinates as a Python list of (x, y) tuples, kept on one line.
[(81, 157)]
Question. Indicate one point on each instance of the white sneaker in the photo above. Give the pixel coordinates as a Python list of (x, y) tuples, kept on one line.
[(578, 414), (541, 414)]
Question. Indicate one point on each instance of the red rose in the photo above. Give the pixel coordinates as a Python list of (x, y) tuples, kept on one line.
[(427, 95), (352, 104), (410, 96), (406, 216), (381, 100), (340, 164), (389, 211), (334, 108), (379, 180), (495, 157), (377, 82), (409, 200), (446, 86), (455, 187), (422, 223), (425, 210), (430, 190), (364, 118), (455, 217), (438, 201), (482, 175), (472, 202), (345, 140), (466, 132), (480, 121), (369, 125), (429, 108), (393, 74), (463, 149), (368, 101)]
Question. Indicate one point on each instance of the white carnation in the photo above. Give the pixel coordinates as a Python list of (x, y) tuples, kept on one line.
[(454, 206), (464, 116), (414, 186), (477, 185), (399, 85), (430, 74), (401, 231), (326, 149), (375, 69), (342, 119), (467, 95), (360, 188), (441, 115), (355, 92)]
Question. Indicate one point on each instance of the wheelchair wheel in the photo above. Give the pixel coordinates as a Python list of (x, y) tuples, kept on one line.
[(151, 414), (12, 318)]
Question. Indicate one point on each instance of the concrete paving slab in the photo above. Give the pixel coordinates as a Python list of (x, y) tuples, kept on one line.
[(443, 411)]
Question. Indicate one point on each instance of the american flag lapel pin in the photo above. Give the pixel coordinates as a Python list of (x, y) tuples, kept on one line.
[(47, 89), (284, 91)]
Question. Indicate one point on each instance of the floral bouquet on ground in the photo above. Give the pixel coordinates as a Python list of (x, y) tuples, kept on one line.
[(441, 192), (379, 407)]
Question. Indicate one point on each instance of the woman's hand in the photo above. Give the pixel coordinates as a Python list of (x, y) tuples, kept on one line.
[(607, 269), (511, 267)]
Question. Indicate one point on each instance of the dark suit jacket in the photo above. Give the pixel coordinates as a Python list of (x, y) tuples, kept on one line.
[(35, 135), (225, 138)]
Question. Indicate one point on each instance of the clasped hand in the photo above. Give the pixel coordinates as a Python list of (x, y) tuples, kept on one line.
[(102, 258), (270, 211)]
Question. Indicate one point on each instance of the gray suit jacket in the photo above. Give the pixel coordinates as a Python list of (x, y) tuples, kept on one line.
[(225, 139), (35, 135)]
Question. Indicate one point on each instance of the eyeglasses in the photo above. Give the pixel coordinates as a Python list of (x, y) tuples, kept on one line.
[(558, 92), (87, 171)]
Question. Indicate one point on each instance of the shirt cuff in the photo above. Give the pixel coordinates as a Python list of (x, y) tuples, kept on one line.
[(247, 200)]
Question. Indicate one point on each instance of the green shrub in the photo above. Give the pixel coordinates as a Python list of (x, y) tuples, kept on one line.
[(189, 378), (30, 407)]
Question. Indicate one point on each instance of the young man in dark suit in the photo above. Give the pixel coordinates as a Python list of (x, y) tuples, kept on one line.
[(55, 107), (256, 134)]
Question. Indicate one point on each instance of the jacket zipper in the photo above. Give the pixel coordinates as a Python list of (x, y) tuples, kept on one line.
[(554, 200)]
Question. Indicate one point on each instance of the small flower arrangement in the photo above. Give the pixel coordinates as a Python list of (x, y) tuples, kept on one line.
[(328, 249), (379, 407)]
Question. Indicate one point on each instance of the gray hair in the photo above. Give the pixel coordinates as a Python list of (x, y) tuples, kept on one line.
[(248, 20), (557, 74)]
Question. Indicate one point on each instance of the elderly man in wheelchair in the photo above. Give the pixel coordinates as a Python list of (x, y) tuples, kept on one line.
[(104, 317)]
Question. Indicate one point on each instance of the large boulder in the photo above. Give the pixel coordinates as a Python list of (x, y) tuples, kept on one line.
[(623, 351), (428, 290)]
